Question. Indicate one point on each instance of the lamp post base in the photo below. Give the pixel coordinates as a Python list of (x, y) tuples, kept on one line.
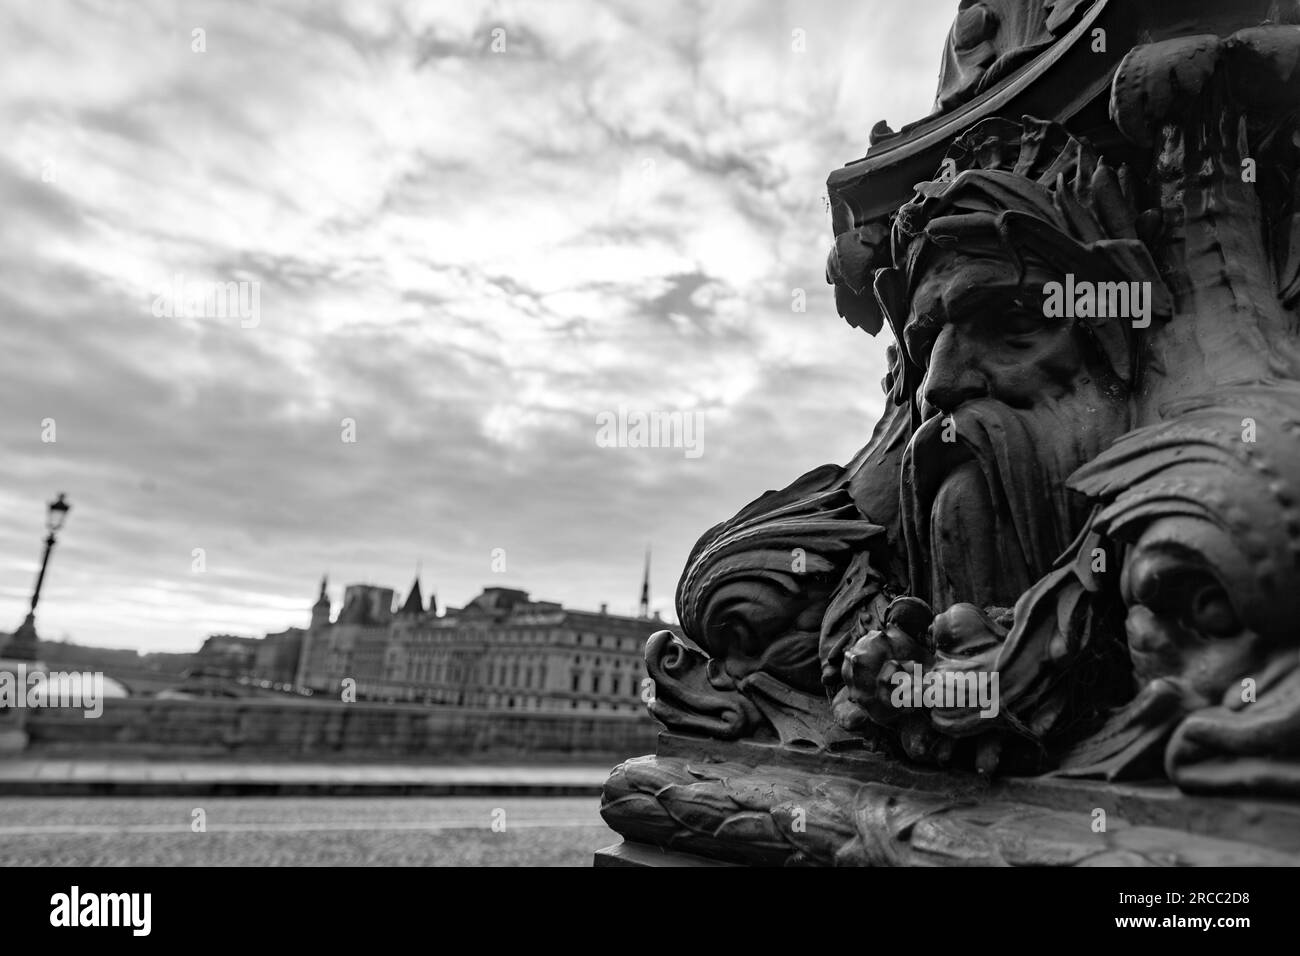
[(22, 642), (13, 720)]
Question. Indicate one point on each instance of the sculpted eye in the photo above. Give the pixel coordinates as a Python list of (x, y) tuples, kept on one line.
[(1020, 322), (1212, 613), (1189, 595)]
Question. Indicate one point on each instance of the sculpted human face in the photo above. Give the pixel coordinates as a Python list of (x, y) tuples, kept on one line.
[(1183, 622), (978, 331), (1024, 401)]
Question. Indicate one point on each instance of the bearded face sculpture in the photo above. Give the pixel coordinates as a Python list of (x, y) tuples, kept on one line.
[(998, 377), (1011, 398)]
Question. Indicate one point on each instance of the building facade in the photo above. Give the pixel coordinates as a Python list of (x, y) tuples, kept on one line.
[(277, 656), (229, 655), (503, 651)]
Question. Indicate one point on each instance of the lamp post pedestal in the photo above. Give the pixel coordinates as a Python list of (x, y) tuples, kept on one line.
[(22, 643), (19, 651), (13, 729), (13, 720)]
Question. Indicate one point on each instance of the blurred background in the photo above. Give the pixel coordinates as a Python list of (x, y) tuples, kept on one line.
[(316, 313)]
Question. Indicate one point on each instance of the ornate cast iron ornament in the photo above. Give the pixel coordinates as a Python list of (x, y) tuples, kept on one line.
[(1071, 547)]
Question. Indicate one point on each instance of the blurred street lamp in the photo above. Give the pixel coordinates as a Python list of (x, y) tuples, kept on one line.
[(56, 514), (22, 644)]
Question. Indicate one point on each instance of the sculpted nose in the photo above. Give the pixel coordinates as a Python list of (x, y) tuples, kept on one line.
[(952, 377)]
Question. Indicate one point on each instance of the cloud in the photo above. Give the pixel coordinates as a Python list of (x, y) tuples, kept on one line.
[(469, 253)]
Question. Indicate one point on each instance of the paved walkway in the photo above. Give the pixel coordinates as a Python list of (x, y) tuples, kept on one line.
[(301, 831), (29, 776)]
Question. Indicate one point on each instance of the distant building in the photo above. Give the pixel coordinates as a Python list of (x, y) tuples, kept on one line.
[(501, 651), (233, 665), (229, 655), (352, 644), (276, 658)]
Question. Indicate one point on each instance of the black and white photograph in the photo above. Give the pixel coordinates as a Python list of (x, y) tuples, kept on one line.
[(603, 433)]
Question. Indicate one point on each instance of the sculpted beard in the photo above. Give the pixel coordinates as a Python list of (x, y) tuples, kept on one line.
[(985, 508)]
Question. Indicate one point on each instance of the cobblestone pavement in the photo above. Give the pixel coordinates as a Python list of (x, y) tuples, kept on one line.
[(306, 831)]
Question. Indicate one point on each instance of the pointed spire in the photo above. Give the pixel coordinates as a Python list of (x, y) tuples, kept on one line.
[(645, 586), (415, 600), (320, 612)]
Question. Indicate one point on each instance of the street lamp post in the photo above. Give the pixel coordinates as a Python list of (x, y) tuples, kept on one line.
[(22, 644)]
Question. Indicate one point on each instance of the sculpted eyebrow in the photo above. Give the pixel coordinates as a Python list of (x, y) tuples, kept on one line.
[(972, 301)]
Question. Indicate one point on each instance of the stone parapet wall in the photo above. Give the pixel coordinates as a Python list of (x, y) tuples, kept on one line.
[(323, 728)]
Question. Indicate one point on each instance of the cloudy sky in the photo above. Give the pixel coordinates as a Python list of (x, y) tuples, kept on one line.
[(472, 228)]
